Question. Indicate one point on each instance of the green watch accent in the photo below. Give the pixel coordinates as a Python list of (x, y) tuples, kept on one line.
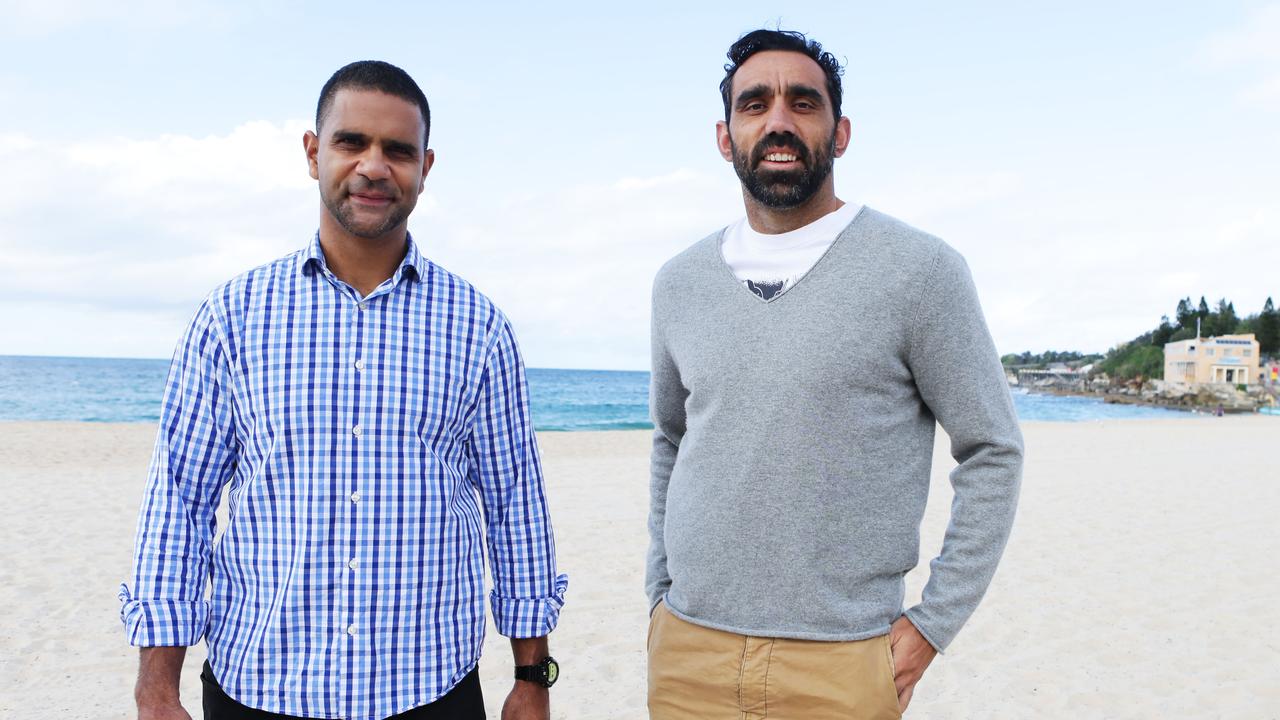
[(545, 673)]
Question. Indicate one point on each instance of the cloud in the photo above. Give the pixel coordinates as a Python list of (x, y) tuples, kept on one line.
[(121, 227), (929, 197), (573, 266), (1061, 270), (1258, 40), (1250, 48), (130, 223), (107, 245)]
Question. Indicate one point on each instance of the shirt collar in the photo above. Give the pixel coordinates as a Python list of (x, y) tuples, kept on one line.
[(412, 266)]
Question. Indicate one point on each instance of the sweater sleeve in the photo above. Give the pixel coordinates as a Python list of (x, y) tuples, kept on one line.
[(958, 374), (666, 407)]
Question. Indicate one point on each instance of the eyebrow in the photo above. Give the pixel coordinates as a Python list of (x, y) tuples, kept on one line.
[(349, 136), (805, 91), (755, 92)]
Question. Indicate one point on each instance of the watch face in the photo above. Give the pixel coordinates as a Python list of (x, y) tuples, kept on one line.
[(553, 672)]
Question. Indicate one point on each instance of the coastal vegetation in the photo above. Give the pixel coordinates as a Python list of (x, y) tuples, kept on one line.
[(1027, 360), (1142, 358)]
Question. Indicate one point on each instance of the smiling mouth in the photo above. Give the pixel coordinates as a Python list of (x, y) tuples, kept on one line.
[(781, 157)]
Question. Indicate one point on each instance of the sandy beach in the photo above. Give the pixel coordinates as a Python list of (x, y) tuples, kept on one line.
[(1140, 581)]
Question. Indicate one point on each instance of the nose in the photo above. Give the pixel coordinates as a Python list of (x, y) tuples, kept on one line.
[(780, 119), (373, 164)]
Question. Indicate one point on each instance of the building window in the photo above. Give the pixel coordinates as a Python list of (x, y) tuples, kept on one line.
[(1208, 351), (1247, 353)]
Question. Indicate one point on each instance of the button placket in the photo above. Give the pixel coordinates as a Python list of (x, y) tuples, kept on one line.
[(351, 608), (359, 429)]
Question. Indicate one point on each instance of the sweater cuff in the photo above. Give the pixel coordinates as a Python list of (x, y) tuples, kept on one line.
[(529, 617), (162, 623), (935, 635)]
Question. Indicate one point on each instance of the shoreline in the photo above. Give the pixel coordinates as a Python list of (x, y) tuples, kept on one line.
[(1137, 401)]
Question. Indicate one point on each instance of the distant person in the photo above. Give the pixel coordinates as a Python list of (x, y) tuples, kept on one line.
[(800, 359), (362, 406)]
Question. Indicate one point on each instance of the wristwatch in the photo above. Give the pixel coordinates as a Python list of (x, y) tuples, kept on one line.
[(544, 673)]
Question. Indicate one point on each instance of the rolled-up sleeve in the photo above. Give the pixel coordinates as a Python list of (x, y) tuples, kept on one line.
[(195, 454), (505, 467)]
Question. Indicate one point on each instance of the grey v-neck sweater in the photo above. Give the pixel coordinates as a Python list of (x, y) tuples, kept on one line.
[(794, 438)]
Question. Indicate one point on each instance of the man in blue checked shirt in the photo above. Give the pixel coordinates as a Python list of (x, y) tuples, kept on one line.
[(367, 411)]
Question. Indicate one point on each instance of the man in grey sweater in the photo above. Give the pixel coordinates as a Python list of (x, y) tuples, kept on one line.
[(800, 360)]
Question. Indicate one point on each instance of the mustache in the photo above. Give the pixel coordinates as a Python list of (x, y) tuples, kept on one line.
[(360, 186), (774, 141)]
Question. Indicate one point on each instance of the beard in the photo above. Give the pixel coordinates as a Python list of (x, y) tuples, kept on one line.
[(344, 213), (784, 189)]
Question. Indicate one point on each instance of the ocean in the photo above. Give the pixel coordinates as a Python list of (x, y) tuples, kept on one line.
[(113, 390)]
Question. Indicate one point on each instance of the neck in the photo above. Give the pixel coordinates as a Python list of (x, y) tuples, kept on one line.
[(775, 221), (362, 263)]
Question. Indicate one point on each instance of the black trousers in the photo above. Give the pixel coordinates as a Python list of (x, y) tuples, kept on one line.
[(463, 702)]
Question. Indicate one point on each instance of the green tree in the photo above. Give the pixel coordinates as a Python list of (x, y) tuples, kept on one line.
[(1223, 321), (1268, 329), (1134, 360), (1186, 314), (1202, 312), (1163, 333)]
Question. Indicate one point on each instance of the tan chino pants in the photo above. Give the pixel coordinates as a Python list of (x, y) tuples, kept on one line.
[(697, 673)]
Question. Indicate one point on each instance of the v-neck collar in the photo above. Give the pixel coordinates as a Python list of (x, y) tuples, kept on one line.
[(742, 286)]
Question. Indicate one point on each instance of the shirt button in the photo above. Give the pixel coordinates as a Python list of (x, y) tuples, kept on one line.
[(353, 564), (364, 305), (359, 364), (356, 431), (351, 629), (355, 497)]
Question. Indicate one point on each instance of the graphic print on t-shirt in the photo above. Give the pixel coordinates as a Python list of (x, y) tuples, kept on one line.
[(766, 289)]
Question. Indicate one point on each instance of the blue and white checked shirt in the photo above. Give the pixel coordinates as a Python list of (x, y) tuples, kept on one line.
[(359, 439)]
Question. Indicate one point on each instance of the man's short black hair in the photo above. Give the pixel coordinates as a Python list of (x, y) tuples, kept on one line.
[(374, 75), (790, 40)]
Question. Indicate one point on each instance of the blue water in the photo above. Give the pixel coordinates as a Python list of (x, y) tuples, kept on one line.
[(108, 390), (1079, 409), (105, 390)]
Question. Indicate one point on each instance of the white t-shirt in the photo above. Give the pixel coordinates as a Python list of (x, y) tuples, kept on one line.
[(770, 264)]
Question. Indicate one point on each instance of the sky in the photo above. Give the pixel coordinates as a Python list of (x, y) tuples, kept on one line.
[(1094, 162)]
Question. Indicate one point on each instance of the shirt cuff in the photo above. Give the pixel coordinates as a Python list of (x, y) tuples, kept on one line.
[(162, 623), (529, 617)]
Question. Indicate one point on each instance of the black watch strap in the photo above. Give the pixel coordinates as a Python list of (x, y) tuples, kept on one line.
[(544, 673)]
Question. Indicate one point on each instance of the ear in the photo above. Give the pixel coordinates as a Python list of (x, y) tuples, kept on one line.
[(428, 159), (844, 133), (723, 141), (311, 144)]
